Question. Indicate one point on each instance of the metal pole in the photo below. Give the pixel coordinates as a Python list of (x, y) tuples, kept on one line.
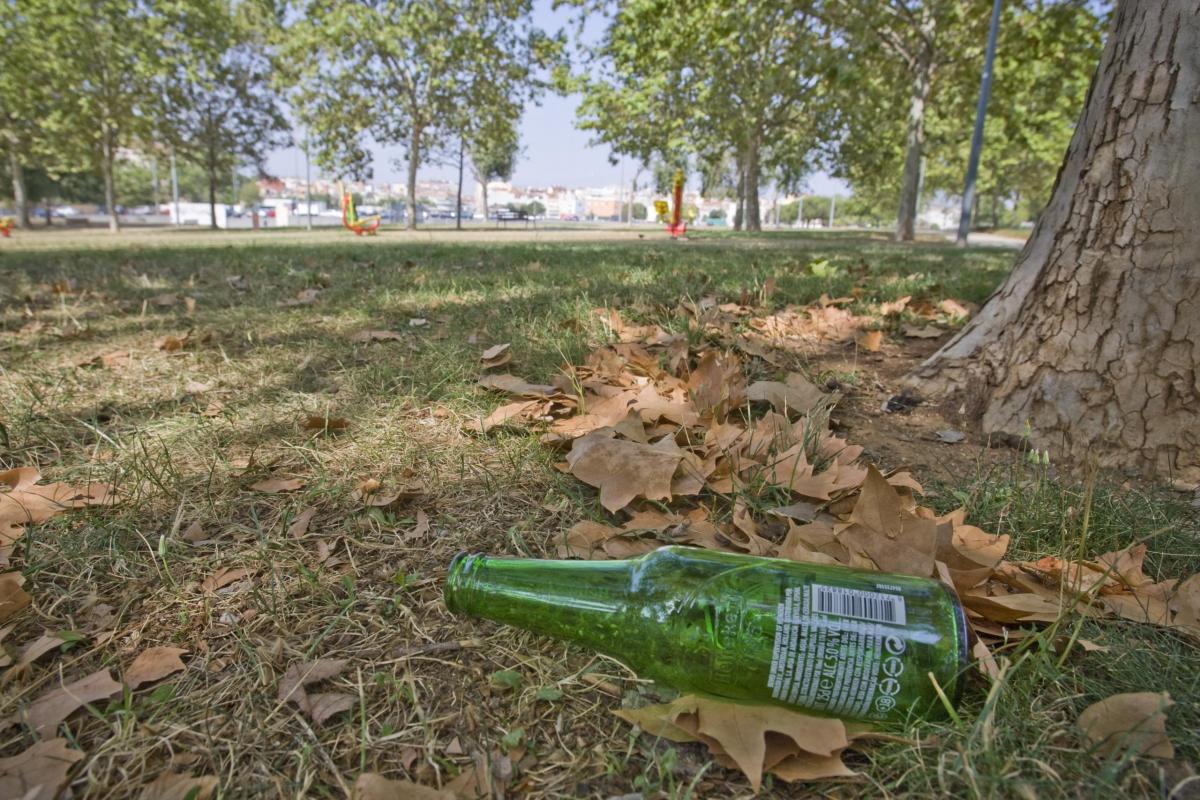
[(832, 207), (800, 212), (175, 187), (307, 187), (985, 88)]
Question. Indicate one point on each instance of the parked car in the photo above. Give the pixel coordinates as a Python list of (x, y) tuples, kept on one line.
[(568, 217)]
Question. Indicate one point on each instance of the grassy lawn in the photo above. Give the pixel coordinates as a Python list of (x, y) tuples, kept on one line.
[(185, 434)]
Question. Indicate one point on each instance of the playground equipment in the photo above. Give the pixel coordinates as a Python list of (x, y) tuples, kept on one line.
[(677, 226), (6, 226), (350, 218)]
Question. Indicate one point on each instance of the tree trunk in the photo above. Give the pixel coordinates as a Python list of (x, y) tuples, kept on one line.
[(20, 194), (739, 212), (483, 183), (458, 200), (1092, 339), (414, 159), (107, 157), (212, 195), (914, 146), (753, 219)]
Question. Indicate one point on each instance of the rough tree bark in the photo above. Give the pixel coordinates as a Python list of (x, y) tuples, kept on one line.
[(753, 168), (739, 211), (458, 197), (914, 148), (414, 159), (1094, 338), (107, 157), (20, 194)]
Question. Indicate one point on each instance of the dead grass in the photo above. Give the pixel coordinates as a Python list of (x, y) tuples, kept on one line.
[(358, 585)]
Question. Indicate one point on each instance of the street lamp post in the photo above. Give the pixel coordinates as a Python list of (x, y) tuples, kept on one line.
[(985, 88)]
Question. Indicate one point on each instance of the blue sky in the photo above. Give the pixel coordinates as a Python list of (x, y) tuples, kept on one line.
[(555, 151)]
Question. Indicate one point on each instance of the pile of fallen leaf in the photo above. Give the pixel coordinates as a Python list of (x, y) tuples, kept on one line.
[(684, 449)]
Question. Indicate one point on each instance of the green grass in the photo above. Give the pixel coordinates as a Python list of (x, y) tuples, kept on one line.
[(355, 588)]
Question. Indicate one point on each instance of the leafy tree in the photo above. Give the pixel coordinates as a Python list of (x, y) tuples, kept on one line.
[(403, 72), (220, 109), (21, 94), (639, 211), (494, 149), (1045, 57), (100, 61), (718, 82), (249, 194), (535, 208), (894, 52)]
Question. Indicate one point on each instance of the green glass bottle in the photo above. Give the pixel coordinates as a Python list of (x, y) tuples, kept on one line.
[(822, 639)]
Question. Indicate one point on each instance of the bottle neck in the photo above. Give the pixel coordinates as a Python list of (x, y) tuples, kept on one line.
[(574, 600)]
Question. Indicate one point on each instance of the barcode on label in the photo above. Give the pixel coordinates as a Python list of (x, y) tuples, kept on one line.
[(869, 606)]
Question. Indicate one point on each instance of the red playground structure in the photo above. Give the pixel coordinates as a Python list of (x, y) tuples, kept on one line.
[(6, 226), (677, 227), (352, 221)]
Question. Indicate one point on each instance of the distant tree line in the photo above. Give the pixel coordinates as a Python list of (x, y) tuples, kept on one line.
[(879, 92)]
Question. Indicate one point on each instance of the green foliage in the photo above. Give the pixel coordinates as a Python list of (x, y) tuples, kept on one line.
[(639, 211), (1046, 53), (220, 110), (422, 76), (249, 194), (710, 81)]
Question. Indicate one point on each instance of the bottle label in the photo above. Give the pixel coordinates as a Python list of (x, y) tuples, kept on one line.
[(834, 652)]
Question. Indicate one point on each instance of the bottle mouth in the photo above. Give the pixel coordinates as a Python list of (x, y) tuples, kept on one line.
[(461, 577)]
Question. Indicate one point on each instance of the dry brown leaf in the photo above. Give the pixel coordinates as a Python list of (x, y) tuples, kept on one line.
[(171, 344), (213, 409), (273, 485), (196, 387), (112, 360), (31, 652), (321, 706), (1187, 605), (741, 732), (305, 297), (622, 470), (502, 415), (324, 424), (1128, 723), (420, 529), (1009, 608), (300, 524), (176, 786), (364, 337), (56, 705), (371, 786), (515, 386), (987, 662), (496, 356), (222, 578), (717, 383), (23, 501), (798, 396), (12, 597), (954, 309), (870, 341), (154, 664), (38, 773), (895, 540), (922, 332), (194, 533)]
